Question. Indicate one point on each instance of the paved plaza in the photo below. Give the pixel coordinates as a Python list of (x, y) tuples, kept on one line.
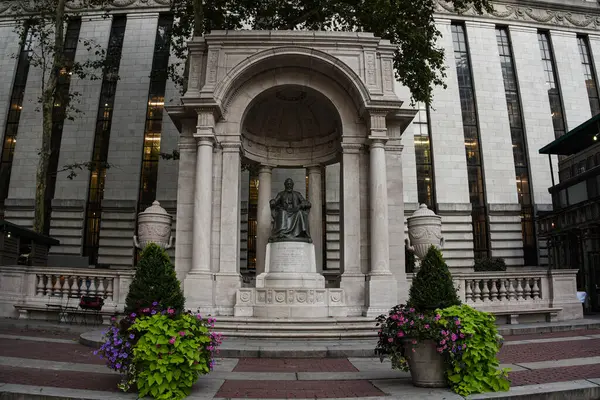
[(48, 360)]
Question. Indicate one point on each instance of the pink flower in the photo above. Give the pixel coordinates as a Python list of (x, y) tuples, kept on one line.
[(443, 341), (426, 326), (394, 317), (421, 316), (390, 340), (412, 323), (172, 340), (413, 350), (457, 322), (462, 335), (400, 334), (170, 311), (454, 337), (437, 317), (414, 342), (411, 310), (439, 349), (182, 333), (198, 316)]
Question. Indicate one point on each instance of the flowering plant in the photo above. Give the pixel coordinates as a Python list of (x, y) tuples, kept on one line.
[(405, 327), (155, 342)]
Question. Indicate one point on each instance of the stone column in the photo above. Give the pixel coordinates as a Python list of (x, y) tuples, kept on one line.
[(263, 217), (352, 279), (315, 217), (184, 233), (228, 279), (198, 285), (382, 290)]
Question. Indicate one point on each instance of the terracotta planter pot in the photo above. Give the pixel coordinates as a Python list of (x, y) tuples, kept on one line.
[(427, 366)]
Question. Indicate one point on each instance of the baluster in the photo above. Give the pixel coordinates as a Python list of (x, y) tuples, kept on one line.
[(519, 289), (527, 289), (468, 291), (502, 290), (109, 288), (494, 291), (101, 289), (39, 285), (94, 287), (63, 285), (73, 289), (86, 285), (536, 289), (45, 280), (476, 291), (56, 286), (511, 290), (485, 293)]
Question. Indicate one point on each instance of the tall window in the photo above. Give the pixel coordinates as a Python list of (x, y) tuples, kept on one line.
[(101, 139), (472, 148), (556, 107), (154, 113), (59, 112), (517, 132), (12, 120), (589, 73), (424, 161)]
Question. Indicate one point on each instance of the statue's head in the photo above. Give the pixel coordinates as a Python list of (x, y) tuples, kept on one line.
[(289, 184)]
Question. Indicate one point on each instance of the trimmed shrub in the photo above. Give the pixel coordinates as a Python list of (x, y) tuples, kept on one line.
[(154, 281), (489, 264), (432, 288)]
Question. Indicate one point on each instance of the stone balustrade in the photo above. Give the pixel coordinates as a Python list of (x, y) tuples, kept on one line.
[(521, 295), (25, 291)]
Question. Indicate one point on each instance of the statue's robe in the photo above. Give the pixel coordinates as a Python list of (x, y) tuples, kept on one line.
[(289, 221)]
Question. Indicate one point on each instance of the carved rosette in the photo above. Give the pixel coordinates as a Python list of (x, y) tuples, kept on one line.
[(154, 226), (424, 230)]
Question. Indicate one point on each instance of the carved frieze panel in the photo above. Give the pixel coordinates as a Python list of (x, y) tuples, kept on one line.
[(527, 13)]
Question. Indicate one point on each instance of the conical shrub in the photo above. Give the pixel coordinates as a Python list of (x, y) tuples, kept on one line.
[(154, 281), (432, 287)]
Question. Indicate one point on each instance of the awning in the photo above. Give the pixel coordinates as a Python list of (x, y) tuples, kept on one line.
[(576, 140)]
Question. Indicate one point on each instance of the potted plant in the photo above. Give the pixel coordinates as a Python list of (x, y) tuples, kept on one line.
[(438, 340)]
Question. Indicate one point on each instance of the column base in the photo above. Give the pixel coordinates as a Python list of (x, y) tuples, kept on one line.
[(382, 294), (198, 289), (353, 285), (226, 287)]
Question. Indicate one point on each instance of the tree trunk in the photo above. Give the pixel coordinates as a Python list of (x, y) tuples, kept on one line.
[(48, 93), (198, 18)]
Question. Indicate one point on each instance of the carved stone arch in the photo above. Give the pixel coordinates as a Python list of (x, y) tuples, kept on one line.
[(299, 57)]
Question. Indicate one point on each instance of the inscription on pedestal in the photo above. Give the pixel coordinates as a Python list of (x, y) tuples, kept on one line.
[(291, 257)]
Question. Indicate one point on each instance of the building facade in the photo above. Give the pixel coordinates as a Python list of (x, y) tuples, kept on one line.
[(516, 79)]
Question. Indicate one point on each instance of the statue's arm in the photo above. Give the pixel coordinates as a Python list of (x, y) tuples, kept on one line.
[(304, 204), (274, 202)]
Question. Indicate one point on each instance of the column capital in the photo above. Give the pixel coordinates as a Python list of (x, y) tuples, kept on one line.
[(265, 169), (314, 169), (231, 147), (352, 148), (205, 140), (377, 142)]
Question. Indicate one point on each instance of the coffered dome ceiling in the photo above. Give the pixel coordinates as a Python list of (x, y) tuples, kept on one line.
[(291, 114)]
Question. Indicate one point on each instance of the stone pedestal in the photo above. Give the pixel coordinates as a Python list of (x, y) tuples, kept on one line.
[(290, 287), (290, 265)]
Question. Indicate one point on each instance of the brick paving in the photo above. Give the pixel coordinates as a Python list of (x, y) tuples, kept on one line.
[(533, 336), (54, 334), (65, 352), (297, 389), (549, 375), (61, 379), (533, 352), (294, 365)]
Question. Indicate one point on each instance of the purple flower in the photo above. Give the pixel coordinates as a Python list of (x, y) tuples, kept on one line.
[(155, 303), (133, 315), (118, 366), (153, 312), (131, 336)]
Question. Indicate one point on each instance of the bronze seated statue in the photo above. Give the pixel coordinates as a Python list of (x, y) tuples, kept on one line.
[(289, 211)]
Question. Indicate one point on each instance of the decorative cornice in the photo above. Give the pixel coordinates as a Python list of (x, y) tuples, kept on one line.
[(8, 7), (546, 14)]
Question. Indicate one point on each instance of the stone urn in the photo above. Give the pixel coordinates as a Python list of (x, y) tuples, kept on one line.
[(424, 230), (154, 226), (427, 366)]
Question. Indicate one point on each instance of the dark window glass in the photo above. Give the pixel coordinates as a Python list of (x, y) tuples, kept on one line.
[(101, 139), (13, 118), (589, 74), (556, 109), (472, 147), (424, 163), (154, 113), (515, 117)]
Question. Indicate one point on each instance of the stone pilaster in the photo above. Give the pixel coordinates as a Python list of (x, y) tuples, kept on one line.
[(185, 205), (263, 217), (353, 279), (228, 279), (315, 217)]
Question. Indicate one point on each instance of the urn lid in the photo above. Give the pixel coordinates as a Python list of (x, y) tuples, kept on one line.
[(423, 211), (155, 208)]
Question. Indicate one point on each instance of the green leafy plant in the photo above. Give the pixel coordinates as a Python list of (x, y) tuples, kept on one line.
[(171, 353), (432, 288), (489, 264), (476, 369), (154, 281)]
